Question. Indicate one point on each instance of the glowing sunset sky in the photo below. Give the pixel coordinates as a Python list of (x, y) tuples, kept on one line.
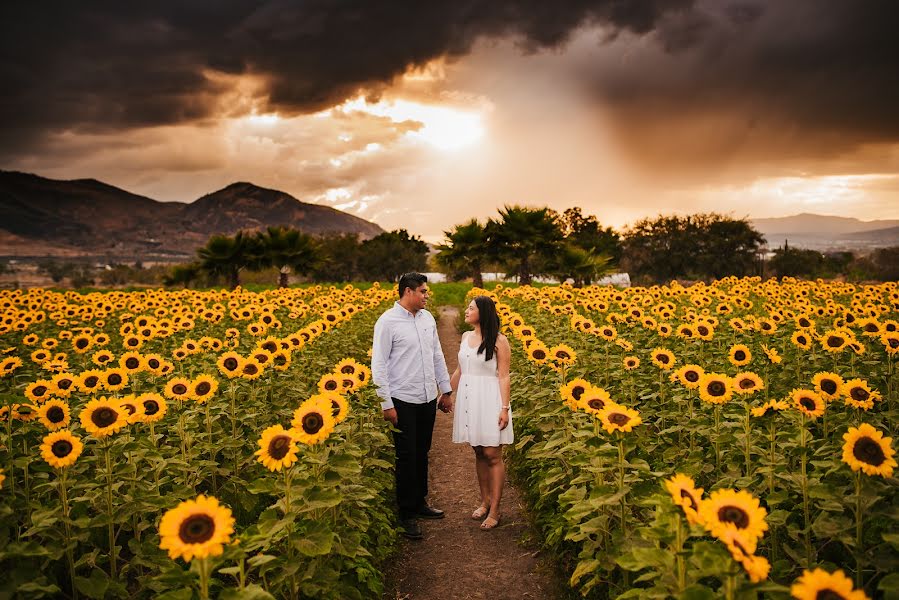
[(421, 115)]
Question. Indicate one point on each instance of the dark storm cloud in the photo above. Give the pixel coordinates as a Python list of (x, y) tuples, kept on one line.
[(695, 78), (800, 78), (95, 66)]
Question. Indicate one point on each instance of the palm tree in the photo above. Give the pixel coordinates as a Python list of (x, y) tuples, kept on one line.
[(523, 235), (581, 265), (289, 250), (226, 256), (465, 250)]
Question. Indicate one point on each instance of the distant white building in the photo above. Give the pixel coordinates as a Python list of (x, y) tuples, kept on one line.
[(616, 279)]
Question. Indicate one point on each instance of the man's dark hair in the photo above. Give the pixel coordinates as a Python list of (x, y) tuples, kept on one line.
[(412, 281)]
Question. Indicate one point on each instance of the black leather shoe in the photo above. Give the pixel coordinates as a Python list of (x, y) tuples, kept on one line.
[(428, 512), (411, 529)]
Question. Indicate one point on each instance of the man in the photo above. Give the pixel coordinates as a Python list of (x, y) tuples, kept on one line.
[(407, 367)]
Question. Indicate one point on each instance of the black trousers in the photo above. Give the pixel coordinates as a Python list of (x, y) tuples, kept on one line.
[(412, 443)]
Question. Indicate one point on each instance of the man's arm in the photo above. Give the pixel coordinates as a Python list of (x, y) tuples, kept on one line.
[(441, 373), (380, 352)]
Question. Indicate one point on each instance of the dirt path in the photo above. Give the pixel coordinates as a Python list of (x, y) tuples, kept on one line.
[(456, 560)]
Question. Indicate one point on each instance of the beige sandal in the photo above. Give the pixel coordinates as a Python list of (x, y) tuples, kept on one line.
[(480, 512), (489, 523)]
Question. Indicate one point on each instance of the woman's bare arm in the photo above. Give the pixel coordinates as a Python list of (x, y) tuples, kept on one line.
[(503, 361)]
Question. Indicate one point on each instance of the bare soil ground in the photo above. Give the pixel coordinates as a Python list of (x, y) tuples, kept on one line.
[(456, 560)]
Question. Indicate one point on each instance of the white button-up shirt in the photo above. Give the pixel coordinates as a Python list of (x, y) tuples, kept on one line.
[(407, 362)]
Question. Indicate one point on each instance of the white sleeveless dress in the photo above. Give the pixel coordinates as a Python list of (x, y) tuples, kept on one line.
[(478, 401)]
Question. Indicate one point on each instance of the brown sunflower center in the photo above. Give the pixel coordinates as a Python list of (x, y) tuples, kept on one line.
[(687, 332), (829, 386), (716, 388), (133, 341), (689, 496), (56, 414), (279, 446), (61, 448), (577, 392), (250, 369), (270, 346), (196, 529), (203, 388), (230, 363), (347, 369), (691, 376), (335, 408), (619, 419), (104, 416), (331, 385), (539, 354), (114, 379), (39, 390), (802, 340), (835, 341), (312, 422), (702, 330), (562, 355), (735, 515), (871, 328), (151, 407), (739, 355), (596, 403), (179, 389), (807, 403), (91, 381), (662, 358), (859, 394), (746, 384), (81, 343), (130, 408), (153, 363), (803, 322), (868, 451)]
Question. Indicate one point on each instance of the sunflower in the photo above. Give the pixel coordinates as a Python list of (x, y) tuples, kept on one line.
[(281, 361), (772, 354), (731, 508), (662, 358), (131, 362), (250, 369), (574, 389), (230, 364), (607, 332), (340, 408), (737, 541), (705, 332), (134, 408), (828, 385), (631, 363), (9, 365), (312, 421), (715, 388), (816, 584), (61, 449), (329, 383), (624, 344), (203, 388), (808, 402), (2, 478), (39, 390), (592, 401), (563, 354), (90, 381), (858, 394), (262, 356), (154, 407), (277, 448), (868, 450), (802, 340), (747, 383), (890, 342), (196, 529), (114, 380), (363, 375), (685, 494), (54, 414), (347, 366), (270, 343), (685, 331), (82, 343), (153, 363), (40, 356), (102, 417), (739, 355), (689, 376), (24, 412), (835, 340), (178, 388), (102, 357), (538, 352), (615, 417)]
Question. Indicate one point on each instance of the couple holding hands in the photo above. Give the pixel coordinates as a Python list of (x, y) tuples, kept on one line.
[(408, 368)]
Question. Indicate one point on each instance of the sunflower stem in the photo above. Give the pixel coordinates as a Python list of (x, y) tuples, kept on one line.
[(717, 435), (112, 556), (859, 520), (211, 449), (287, 502), (64, 498), (204, 578), (803, 458), (621, 483), (679, 554), (747, 440)]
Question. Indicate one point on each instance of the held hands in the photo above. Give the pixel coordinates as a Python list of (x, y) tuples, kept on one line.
[(446, 403)]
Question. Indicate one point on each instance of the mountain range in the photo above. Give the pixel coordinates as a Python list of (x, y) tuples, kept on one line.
[(823, 232), (86, 217)]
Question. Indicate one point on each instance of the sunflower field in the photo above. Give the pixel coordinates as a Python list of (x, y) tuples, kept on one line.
[(182, 444), (730, 440)]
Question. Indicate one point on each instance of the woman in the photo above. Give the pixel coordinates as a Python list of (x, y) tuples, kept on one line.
[(483, 416)]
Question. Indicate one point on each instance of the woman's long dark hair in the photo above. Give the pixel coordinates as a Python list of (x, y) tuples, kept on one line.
[(489, 322)]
